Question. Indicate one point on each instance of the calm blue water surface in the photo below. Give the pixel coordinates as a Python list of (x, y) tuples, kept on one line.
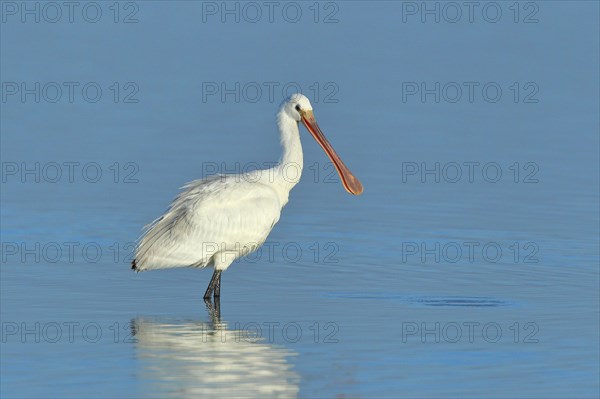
[(436, 282)]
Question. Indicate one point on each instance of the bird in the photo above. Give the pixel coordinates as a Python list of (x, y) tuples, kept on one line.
[(218, 219)]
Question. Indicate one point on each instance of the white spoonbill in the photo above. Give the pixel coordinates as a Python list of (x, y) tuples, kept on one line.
[(216, 220)]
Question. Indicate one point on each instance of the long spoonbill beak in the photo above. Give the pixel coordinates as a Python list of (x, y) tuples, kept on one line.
[(350, 182)]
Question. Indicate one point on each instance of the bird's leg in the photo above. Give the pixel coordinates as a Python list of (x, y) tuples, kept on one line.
[(218, 287), (218, 309), (214, 285), (214, 311)]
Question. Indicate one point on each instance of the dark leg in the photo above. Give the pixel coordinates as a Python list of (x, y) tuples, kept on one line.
[(214, 285), (218, 287), (214, 311)]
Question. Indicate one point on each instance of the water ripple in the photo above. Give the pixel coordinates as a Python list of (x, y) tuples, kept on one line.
[(438, 301)]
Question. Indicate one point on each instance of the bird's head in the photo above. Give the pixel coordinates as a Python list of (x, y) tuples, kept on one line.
[(296, 105)]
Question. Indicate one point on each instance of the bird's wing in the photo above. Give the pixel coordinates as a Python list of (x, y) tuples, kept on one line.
[(222, 213)]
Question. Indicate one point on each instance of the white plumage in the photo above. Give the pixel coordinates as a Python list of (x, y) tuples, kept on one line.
[(221, 218), (223, 215)]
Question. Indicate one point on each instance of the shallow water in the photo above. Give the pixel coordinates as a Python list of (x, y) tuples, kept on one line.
[(428, 285)]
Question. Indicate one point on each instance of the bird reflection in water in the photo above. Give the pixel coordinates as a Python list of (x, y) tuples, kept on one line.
[(199, 359)]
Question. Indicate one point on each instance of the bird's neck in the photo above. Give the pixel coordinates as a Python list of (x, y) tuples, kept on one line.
[(288, 171)]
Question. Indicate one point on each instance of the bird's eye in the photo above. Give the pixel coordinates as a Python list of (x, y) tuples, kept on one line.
[(298, 107)]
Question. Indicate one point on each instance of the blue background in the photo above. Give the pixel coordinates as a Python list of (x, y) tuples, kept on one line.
[(356, 61)]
